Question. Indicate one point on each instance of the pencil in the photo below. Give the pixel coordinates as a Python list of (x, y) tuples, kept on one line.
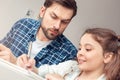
[(29, 49)]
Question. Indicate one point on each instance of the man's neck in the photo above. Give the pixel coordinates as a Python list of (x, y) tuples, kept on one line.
[(40, 35)]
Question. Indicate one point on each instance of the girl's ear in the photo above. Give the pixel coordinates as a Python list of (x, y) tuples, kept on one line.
[(42, 11), (108, 57)]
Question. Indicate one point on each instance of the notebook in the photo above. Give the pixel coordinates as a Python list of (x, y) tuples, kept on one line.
[(9, 71)]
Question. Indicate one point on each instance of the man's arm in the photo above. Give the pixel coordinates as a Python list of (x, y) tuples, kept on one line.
[(6, 54)]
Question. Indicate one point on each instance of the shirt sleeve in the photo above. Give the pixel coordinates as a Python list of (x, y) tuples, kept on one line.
[(61, 69), (7, 40)]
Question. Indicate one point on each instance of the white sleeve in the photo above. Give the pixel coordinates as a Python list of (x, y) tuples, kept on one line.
[(61, 69)]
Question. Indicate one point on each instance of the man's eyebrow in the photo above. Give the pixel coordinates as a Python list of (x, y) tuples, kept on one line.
[(67, 19), (62, 19), (53, 13)]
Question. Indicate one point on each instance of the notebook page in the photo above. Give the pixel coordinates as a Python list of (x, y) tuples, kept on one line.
[(9, 71)]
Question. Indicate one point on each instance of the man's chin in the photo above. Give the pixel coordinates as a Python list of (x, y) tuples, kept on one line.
[(52, 37)]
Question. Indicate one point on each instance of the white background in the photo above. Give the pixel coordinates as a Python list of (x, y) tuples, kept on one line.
[(91, 13)]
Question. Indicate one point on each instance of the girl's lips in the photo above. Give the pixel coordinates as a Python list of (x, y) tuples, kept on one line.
[(80, 61)]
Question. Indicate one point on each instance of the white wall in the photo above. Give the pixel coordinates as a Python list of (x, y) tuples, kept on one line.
[(13, 10), (102, 13)]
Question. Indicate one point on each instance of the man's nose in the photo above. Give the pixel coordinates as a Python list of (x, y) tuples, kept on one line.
[(57, 25)]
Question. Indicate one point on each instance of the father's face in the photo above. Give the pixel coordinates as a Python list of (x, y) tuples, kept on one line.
[(55, 20)]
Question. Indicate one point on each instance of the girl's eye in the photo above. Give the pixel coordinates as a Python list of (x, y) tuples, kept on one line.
[(88, 49), (79, 48)]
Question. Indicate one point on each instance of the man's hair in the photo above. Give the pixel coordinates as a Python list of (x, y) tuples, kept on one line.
[(71, 4)]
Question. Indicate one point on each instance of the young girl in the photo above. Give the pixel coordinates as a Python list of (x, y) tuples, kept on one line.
[(98, 58)]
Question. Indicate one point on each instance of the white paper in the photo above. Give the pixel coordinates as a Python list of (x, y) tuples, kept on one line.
[(9, 71)]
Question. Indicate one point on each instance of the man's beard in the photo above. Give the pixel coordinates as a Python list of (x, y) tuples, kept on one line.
[(48, 35)]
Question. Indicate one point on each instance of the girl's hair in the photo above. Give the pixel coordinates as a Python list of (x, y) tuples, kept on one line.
[(71, 4), (110, 42)]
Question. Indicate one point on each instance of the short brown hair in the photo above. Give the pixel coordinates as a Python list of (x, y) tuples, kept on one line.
[(71, 4)]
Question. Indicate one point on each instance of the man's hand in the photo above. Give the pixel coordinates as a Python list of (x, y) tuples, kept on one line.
[(6, 54), (27, 63)]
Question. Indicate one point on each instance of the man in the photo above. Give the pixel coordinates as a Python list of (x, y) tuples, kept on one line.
[(49, 45)]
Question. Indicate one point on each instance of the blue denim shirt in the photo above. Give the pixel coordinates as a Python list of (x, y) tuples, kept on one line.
[(25, 30)]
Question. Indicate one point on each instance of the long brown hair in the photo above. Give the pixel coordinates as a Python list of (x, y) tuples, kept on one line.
[(110, 42)]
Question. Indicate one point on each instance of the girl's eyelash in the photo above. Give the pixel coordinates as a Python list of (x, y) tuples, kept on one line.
[(79, 48), (88, 49)]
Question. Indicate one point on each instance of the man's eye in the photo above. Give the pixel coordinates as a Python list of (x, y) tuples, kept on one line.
[(65, 22), (53, 16)]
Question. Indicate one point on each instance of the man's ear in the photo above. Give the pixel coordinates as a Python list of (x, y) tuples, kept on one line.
[(42, 11), (108, 57)]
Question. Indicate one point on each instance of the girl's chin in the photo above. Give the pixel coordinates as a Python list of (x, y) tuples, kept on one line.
[(82, 67)]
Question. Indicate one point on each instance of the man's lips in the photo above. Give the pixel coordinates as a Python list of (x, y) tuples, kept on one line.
[(54, 32)]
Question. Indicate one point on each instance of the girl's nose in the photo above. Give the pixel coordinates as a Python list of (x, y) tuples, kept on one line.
[(80, 52)]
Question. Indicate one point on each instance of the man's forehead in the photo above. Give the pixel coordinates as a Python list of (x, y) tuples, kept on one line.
[(59, 10)]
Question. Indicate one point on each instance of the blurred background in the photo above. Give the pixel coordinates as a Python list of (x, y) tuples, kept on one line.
[(91, 13)]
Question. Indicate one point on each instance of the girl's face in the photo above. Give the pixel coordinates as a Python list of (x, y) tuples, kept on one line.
[(90, 54)]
